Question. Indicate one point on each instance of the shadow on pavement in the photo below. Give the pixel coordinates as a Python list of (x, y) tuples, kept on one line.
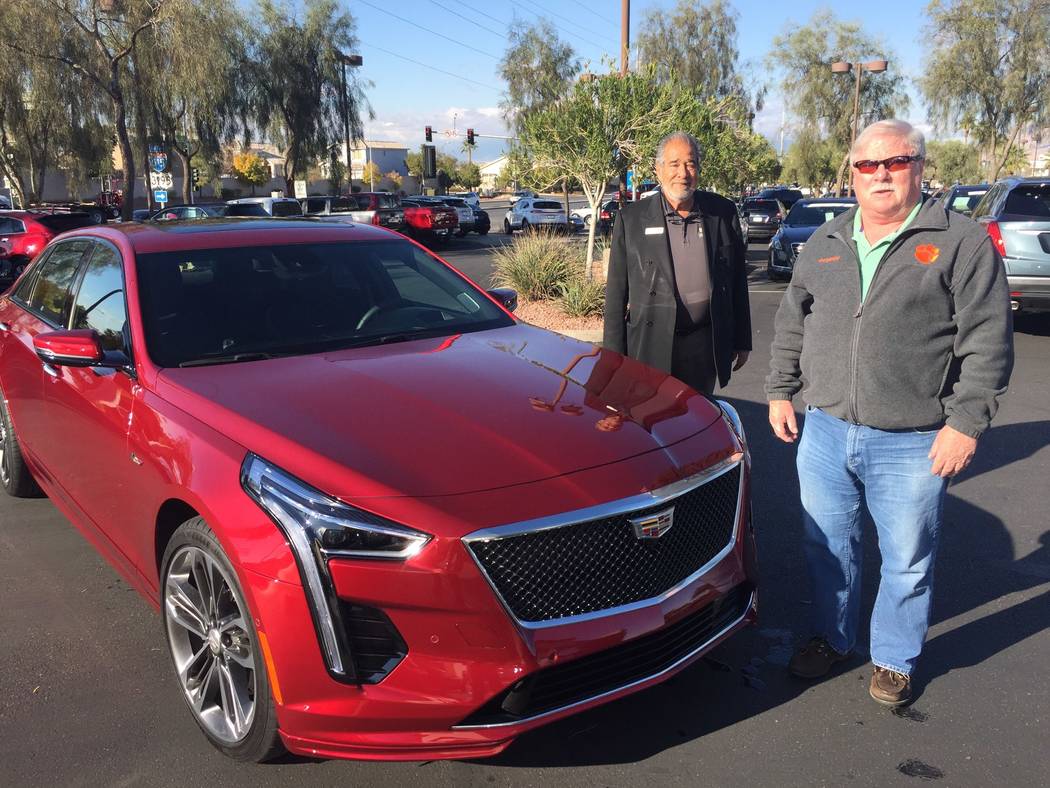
[(1035, 323), (747, 675)]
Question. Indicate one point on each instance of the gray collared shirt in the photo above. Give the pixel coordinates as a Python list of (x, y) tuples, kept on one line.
[(685, 237)]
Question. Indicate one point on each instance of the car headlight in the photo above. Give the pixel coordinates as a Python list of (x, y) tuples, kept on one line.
[(319, 527), (729, 413)]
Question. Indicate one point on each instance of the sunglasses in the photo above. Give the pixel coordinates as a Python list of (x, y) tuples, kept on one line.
[(892, 164)]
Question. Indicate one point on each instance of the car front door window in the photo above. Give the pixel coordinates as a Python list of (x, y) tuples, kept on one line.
[(51, 296)]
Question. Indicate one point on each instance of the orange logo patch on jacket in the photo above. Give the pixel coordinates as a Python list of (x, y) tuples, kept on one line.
[(832, 259), (927, 253)]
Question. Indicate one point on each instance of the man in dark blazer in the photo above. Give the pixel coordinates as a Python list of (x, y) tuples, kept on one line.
[(676, 296)]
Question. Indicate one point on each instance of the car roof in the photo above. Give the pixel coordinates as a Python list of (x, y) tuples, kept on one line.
[(229, 233), (827, 201)]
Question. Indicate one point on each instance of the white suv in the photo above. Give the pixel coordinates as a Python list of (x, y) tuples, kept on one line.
[(531, 212), (275, 206), (470, 198)]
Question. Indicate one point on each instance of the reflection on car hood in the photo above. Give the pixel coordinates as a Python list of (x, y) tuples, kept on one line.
[(443, 416)]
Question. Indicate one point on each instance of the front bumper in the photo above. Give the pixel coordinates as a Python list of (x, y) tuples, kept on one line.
[(761, 231), (466, 654)]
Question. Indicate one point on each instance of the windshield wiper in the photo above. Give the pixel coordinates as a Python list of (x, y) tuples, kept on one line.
[(232, 358)]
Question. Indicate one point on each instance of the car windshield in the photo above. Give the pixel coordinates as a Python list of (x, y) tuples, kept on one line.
[(60, 222), (286, 208), (546, 205), (1029, 200), (245, 209), (965, 200), (206, 306), (762, 206), (814, 215)]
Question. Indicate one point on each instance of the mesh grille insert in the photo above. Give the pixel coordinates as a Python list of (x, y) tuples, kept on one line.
[(600, 564)]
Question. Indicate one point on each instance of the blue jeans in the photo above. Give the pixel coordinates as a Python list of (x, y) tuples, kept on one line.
[(840, 467)]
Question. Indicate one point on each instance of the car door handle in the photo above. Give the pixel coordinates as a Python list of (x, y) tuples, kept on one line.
[(5, 327), (50, 370)]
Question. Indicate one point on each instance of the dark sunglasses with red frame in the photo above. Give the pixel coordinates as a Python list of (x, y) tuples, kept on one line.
[(893, 164)]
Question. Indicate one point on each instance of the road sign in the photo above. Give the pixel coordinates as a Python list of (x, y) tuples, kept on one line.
[(161, 196), (300, 190), (158, 159), (160, 180), (630, 180)]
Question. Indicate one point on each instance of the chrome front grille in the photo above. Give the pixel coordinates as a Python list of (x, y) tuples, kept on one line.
[(605, 562)]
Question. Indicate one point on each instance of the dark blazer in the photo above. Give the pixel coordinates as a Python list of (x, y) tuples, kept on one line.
[(640, 304)]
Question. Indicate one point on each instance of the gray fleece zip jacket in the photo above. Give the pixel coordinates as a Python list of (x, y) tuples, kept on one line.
[(931, 343)]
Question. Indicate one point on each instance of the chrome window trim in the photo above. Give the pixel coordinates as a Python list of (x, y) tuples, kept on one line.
[(678, 663), (611, 509)]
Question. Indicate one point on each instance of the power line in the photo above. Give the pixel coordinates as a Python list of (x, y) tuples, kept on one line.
[(428, 30), (614, 25), (468, 19), (559, 16), (539, 14), (543, 11), (435, 68)]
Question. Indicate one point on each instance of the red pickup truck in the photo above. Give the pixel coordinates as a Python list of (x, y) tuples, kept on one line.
[(429, 221)]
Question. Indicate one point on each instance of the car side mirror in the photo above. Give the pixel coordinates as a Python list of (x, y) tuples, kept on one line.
[(78, 348), (506, 296)]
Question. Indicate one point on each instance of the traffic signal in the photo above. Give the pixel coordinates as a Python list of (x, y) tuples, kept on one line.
[(196, 175), (470, 136), (428, 133), (429, 161)]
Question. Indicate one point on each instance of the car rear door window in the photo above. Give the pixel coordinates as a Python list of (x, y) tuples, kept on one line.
[(99, 304), (287, 208), (10, 226), (1029, 200), (51, 296), (315, 205)]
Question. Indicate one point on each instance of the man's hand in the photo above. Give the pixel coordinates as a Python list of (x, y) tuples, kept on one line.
[(782, 419), (740, 358), (951, 452)]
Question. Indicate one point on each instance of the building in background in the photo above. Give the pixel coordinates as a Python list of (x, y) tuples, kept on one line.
[(491, 172)]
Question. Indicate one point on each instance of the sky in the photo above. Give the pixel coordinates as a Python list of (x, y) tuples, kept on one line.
[(435, 62)]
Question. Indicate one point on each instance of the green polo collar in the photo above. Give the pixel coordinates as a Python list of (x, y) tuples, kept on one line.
[(870, 255)]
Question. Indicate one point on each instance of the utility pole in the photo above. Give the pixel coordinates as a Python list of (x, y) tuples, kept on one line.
[(625, 34), (783, 120)]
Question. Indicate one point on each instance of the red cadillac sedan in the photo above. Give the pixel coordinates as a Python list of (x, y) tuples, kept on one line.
[(379, 516)]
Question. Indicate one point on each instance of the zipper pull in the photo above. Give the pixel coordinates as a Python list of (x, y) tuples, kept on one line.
[(860, 310)]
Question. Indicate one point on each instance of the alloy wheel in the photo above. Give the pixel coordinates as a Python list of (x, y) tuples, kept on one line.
[(208, 633)]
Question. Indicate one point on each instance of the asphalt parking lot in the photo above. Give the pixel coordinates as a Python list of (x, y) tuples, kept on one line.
[(87, 696)]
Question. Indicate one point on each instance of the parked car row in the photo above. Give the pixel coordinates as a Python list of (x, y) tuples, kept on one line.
[(427, 219)]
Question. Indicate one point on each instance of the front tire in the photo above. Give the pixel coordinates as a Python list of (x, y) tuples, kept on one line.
[(15, 477), (214, 646)]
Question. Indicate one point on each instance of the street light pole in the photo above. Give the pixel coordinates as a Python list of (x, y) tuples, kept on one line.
[(344, 61), (842, 67)]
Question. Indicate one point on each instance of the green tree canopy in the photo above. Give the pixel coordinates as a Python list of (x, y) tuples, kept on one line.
[(989, 70), (953, 161), (538, 68), (697, 42), (822, 100), (295, 74)]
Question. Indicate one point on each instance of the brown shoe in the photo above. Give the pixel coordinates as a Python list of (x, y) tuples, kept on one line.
[(815, 659), (889, 687)]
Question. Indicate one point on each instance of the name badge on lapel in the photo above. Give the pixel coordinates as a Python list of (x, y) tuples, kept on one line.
[(654, 230)]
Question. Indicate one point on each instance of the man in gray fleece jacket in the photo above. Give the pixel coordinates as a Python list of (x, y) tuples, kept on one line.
[(898, 320)]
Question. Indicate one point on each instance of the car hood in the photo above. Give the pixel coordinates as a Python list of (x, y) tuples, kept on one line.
[(794, 234), (445, 416)]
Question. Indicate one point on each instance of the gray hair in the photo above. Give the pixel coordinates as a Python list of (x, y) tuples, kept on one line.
[(891, 128), (678, 136)]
